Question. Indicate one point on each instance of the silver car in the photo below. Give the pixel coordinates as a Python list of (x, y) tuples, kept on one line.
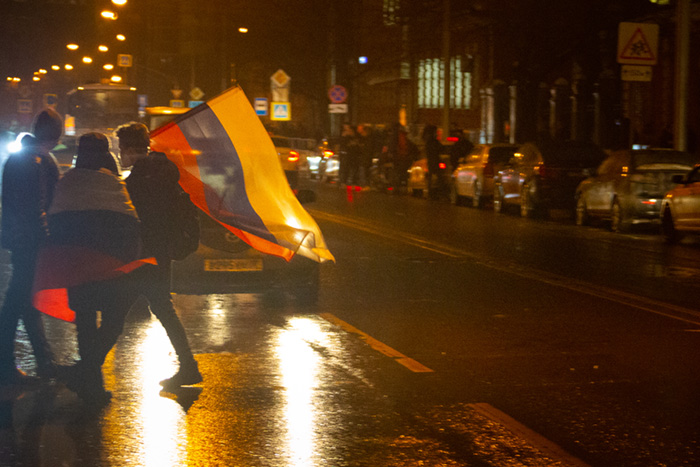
[(681, 206), (629, 185), (472, 179)]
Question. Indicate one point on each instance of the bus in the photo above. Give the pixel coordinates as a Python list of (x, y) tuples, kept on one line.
[(101, 108), (160, 115)]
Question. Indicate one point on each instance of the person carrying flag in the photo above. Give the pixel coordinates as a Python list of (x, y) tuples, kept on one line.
[(94, 244), (152, 185)]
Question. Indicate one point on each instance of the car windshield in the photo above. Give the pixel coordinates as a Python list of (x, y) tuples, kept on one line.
[(654, 158), (573, 154), (501, 154)]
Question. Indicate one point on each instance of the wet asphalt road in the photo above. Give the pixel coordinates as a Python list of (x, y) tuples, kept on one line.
[(442, 336)]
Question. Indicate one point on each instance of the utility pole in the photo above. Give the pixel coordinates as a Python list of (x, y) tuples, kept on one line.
[(681, 88), (446, 66)]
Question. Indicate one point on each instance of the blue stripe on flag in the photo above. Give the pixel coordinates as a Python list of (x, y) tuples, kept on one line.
[(220, 169)]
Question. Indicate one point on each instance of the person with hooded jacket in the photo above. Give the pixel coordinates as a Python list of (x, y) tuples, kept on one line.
[(152, 184), (28, 181), (94, 232)]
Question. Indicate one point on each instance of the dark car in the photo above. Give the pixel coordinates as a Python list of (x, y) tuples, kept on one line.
[(543, 176), (629, 186)]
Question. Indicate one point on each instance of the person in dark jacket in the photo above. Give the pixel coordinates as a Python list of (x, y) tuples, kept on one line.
[(351, 155), (28, 182), (460, 149), (433, 150), (151, 185)]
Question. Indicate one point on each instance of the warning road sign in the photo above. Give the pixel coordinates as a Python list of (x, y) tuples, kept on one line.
[(637, 43)]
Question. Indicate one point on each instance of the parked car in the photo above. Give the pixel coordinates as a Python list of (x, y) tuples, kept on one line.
[(680, 208), (545, 175), (417, 182), (329, 165), (294, 163), (226, 264), (629, 186), (472, 179), (310, 150)]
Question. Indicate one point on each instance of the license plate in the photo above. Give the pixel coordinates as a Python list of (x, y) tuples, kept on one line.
[(233, 265)]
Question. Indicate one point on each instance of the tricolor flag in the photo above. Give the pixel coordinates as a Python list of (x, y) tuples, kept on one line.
[(94, 237), (230, 168)]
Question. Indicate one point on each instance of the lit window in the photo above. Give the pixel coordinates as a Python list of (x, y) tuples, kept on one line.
[(390, 8), (431, 84)]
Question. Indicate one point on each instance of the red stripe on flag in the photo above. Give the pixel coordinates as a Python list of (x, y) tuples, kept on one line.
[(60, 267)]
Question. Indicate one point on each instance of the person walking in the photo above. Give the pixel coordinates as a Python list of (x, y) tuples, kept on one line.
[(92, 217), (400, 154), (351, 154), (433, 150), (28, 181), (152, 185), (460, 149)]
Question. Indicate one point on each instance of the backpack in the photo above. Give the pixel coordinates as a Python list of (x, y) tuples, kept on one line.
[(184, 232)]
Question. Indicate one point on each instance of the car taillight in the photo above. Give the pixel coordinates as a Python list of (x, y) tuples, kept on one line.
[(328, 154), (487, 169), (293, 156), (442, 166), (543, 172)]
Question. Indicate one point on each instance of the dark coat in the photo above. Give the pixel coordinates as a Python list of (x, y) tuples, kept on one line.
[(152, 184), (28, 182), (433, 150)]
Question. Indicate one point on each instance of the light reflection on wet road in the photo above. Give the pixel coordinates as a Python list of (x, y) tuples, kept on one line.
[(289, 400)]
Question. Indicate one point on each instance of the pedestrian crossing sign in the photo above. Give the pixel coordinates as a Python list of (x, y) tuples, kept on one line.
[(281, 111)]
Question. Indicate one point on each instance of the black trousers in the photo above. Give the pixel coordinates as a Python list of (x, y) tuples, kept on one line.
[(18, 305)]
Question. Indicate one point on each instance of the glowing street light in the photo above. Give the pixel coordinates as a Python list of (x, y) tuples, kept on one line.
[(106, 14), (119, 2), (72, 46), (116, 79), (103, 48), (242, 30), (68, 66), (108, 66), (42, 71), (87, 59), (55, 67), (36, 78), (121, 37)]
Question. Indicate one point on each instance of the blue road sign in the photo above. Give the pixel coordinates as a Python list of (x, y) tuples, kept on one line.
[(261, 106)]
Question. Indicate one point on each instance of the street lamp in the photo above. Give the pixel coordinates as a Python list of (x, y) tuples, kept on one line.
[(72, 46), (106, 14)]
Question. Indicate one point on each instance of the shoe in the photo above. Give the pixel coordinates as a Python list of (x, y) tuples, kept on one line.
[(96, 398), (87, 385), (18, 377), (186, 376)]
